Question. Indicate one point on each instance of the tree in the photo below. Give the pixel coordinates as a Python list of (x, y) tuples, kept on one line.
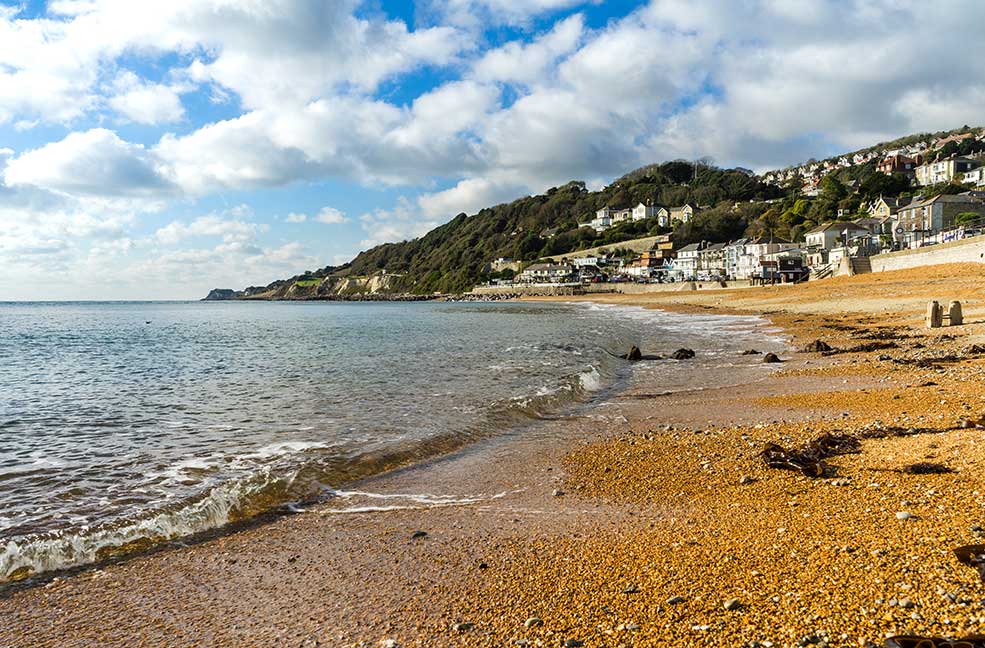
[(967, 217)]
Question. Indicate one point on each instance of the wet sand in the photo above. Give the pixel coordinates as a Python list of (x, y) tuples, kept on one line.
[(583, 531)]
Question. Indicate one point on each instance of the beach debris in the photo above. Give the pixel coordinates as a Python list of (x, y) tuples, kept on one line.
[(733, 604), (634, 355), (682, 354), (809, 460), (675, 600), (771, 358), (417, 535), (818, 346), (751, 352), (926, 468), (914, 641), (868, 347), (973, 556), (533, 622)]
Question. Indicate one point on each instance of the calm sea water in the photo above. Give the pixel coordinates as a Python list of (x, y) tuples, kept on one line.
[(128, 424)]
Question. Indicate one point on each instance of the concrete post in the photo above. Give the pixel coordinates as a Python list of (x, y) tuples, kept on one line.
[(955, 317), (935, 315)]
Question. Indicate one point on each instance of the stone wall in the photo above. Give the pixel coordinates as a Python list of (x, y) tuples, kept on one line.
[(970, 250)]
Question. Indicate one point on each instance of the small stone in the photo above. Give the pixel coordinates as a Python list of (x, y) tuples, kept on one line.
[(388, 643), (573, 643), (632, 627), (732, 604), (771, 358), (746, 479), (417, 535), (558, 492), (632, 589), (674, 600), (904, 515), (905, 603), (533, 622)]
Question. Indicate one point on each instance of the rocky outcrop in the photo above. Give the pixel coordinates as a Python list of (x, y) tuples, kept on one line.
[(222, 294)]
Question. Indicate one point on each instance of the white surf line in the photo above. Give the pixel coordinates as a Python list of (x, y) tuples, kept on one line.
[(422, 501)]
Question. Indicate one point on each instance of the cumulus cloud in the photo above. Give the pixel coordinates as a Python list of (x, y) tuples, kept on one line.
[(318, 91), (146, 103), (90, 163), (230, 230)]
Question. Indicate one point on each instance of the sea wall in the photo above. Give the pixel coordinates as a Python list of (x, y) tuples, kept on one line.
[(546, 290), (970, 250)]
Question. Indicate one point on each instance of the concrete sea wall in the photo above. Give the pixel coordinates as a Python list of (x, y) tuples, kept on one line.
[(970, 250)]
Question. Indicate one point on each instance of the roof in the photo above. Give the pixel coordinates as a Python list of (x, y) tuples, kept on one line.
[(836, 225), (944, 198), (714, 247), (764, 240), (548, 266), (693, 247)]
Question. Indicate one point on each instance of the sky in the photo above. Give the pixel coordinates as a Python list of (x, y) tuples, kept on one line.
[(157, 150)]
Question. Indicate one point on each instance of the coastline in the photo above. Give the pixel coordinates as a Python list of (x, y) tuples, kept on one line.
[(647, 514)]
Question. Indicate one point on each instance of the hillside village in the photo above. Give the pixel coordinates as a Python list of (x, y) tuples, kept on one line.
[(683, 221), (932, 193)]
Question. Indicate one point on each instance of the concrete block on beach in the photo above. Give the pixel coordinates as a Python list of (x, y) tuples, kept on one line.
[(935, 315), (954, 315)]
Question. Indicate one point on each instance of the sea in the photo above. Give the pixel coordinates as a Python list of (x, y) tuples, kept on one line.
[(125, 425)]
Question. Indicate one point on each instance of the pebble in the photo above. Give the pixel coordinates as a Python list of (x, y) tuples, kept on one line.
[(732, 604), (388, 643), (632, 589), (746, 479), (419, 534), (905, 603), (674, 600), (533, 622), (573, 643), (904, 515), (463, 627), (558, 492)]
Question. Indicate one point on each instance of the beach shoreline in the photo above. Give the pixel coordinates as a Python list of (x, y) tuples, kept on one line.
[(632, 504)]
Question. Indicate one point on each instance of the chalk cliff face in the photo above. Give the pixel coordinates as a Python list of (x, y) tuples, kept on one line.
[(377, 286)]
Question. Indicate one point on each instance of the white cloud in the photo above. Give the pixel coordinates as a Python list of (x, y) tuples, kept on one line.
[(146, 103), (91, 163), (519, 62), (296, 218), (330, 216), (231, 231), (398, 224)]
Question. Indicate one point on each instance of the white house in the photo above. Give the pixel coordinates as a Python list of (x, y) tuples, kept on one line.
[(687, 261), (754, 251), (940, 171), (547, 273), (826, 237), (644, 212)]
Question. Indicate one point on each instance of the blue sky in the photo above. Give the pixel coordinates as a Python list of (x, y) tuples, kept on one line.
[(157, 150)]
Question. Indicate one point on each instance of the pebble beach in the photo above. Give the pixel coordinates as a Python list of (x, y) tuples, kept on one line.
[(649, 520)]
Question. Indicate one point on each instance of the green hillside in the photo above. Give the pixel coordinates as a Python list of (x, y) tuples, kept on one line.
[(452, 257)]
